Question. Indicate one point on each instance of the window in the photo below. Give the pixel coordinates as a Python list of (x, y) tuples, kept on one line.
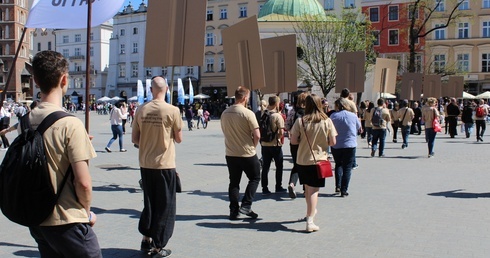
[(393, 37), (439, 63), (463, 62), (190, 70), (463, 30), (223, 13), (374, 14), (440, 33), (393, 13), (440, 6), (349, 4), (78, 51), (209, 15), (243, 11), (135, 47), (260, 7), (485, 62), (78, 67), (375, 37), (91, 36), (222, 66), (486, 4), (418, 63), (91, 51), (38, 46), (78, 83), (122, 32), (209, 65), (209, 39), (66, 53), (486, 29), (122, 49), (49, 45), (135, 31), (122, 70), (134, 69), (329, 4), (78, 37), (164, 71), (65, 39), (148, 72), (465, 5), (412, 13)]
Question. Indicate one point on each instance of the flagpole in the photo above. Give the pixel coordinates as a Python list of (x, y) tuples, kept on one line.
[(172, 85), (12, 67), (87, 67)]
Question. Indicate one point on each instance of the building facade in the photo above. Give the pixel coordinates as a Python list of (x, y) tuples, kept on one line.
[(13, 16)]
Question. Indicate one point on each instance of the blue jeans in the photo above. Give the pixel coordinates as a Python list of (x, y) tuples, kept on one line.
[(344, 160), (116, 131), (430, 135), (468, 128), (405, 133), (269, 153), (379, 134), (369, 134)]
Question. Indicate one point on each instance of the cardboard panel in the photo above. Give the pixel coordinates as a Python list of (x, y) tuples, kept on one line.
[(350, 71), (243, 56), (171, 30), (457, 84), (280, 66), (411, 86), (385, 75), (432, 86), (446, 90)]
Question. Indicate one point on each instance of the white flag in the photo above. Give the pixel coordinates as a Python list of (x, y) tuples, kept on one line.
[(70, 14)]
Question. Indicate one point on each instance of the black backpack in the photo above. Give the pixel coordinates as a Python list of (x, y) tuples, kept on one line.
[(27, 195), (265, 126), (377, 120)]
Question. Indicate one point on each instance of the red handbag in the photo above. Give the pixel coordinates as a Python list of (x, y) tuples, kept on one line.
[(323, 167), (435, 124)]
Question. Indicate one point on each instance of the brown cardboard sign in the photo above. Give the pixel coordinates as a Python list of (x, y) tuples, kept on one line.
[(280, 66), (411, 87), (350, 71), (447, 90), (173, 33), (432, 86), (457, 84), (385, 75), (243, 56)]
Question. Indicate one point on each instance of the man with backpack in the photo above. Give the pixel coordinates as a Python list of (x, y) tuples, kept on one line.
[(379, 120), (481, 113), (67, 232), (271, 130)]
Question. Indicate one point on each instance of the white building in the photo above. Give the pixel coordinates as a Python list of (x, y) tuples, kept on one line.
[(126, 65)]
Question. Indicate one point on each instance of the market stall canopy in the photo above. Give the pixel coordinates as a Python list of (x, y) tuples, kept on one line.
[(484, 95)]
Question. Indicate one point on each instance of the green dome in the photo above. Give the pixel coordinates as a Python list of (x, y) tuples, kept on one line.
[(291, 8)]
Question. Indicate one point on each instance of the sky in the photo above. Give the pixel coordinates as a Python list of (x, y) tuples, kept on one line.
[(134, 2)]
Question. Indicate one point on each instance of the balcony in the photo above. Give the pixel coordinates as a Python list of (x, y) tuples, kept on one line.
[(82, 72), (79, 57)]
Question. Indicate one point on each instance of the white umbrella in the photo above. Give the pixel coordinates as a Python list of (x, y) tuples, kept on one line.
[(134, 98), (484, 95), (466, 95), (201, 96), (116, 98), (104, 99), (387, 95)]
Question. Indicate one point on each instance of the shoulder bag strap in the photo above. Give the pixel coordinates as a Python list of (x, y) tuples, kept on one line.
[(307, 140), (403, 119)]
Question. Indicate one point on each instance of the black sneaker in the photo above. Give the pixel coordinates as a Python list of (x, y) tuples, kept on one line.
[(372, 153), (107, 149), (162, 253), (280, 189), (291, 192), (344, 194), (265, 190), (146, 246), (249, 213), (233, 215)]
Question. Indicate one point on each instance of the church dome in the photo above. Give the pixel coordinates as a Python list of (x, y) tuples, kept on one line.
[(274, 10)]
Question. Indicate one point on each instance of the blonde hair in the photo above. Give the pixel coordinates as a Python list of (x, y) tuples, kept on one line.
[(301, 101), (314, 110), (431, 101)]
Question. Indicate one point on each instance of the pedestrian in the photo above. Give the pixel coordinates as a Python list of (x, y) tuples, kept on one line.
[(124, 111), (200, 117), (452, 114), (314, 129), (344, 151), (368, 124), (273, 149), (379, 119), (416, 125), (67, 232), (157, 126), (362, 113), (242, 134), (4, 124), (395, 120), (467, 119), (428, 115), (188, 116), (406, 116), (481, 113), (116, 117)]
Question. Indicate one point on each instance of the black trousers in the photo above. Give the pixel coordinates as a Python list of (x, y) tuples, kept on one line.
[(453, 124), (251, 167), (158, 217), (293, 177)]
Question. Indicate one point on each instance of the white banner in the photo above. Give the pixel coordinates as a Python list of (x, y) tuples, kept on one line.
[(70, 14), (149, 96)]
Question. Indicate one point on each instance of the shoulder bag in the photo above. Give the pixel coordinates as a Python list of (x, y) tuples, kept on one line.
[(435, 124), (323, 167)]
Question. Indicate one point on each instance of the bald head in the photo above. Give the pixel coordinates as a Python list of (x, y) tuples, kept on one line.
[(159, 88)]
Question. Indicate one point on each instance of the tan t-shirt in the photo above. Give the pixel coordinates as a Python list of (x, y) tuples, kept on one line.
[(238, 124), (407, 120), (318, 135), (367, 118), (385, 118), (65, 142), (277, 123), (156, 121)]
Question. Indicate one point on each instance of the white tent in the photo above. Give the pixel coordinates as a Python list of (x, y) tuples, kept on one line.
[(484, 95), (466, 95), (104, 99), (388, 95)]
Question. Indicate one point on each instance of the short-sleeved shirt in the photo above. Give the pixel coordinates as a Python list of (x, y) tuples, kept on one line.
[(238, 124), (347, 125), (385, 118), (65, 142), (156, 121), (407, 120), (318, 135), (367, 118), (277, 123)]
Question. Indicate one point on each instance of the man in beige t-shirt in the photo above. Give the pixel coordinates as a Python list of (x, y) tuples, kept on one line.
[(157, 126), (66, 143), (379, 130), (241, 131)]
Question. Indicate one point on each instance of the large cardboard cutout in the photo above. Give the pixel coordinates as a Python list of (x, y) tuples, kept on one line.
[(385, 75), (243, 56), (171, 30), (411, 86), (350, 71), (432, 86), (279, 55), (457, 84)]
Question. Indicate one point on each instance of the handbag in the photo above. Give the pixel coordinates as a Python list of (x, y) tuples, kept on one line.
[(435, 124), (323, 167)]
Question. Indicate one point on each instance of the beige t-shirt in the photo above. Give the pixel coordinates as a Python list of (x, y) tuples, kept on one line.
[(385, 116), (238, 124), (65, 142), (277, 123), (156, 121), (318, 135), (367, 118), (407, 120)]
